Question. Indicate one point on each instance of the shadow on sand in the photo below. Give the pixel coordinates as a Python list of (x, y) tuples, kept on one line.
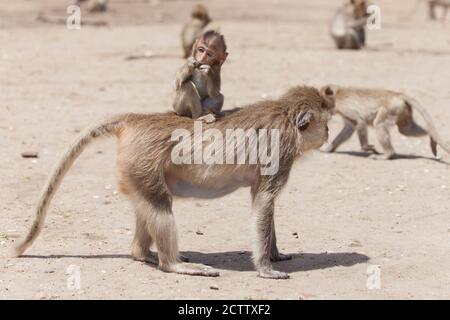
[(362, 154), (241, 260)]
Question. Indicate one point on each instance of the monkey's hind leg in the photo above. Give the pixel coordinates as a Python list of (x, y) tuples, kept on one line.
[(140, 248), (158, 219), (364, 141), (142, 242), (381, 127)]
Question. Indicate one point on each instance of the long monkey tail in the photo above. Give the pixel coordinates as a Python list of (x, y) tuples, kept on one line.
[(435, 138), (103, 129)]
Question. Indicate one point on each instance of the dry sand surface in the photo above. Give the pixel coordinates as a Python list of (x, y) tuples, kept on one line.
[(340, 214)]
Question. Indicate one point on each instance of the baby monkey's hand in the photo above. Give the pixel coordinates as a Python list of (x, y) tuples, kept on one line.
[(206, 69)]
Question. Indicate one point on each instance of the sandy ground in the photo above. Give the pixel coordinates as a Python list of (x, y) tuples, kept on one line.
[(350, 212)]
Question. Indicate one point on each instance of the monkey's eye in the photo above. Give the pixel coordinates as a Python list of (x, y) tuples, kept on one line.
[(303, 127), (201, 49)]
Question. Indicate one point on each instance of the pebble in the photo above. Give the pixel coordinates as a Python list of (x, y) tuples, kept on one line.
[(199, 232), (30, 154), (214, 288)]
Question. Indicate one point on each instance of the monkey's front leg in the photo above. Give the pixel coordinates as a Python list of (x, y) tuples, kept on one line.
[(342, 136), (275, 255), (263, 207)]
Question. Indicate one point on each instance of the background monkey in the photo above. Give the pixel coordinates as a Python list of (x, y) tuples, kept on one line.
[(194, 28), (348, 25), (197, 84), (382, 109), (95, 5), (432, 4), (150, 179)]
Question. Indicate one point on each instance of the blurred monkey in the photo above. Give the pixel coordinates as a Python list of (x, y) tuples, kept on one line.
[(193, 29), (348, 25), (95, 5)]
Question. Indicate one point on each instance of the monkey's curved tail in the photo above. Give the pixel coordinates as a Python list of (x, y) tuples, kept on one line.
[(435, 138), (103, 129)]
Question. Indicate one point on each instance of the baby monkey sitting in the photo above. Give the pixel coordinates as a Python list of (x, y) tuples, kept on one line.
[(197, 84)]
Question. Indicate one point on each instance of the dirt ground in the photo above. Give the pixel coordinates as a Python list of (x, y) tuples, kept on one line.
[(341, 215)]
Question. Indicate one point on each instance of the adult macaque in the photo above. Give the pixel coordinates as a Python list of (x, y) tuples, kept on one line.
[(381, 109), (150, 178), (348, 25), (197, 84), (194, 28)]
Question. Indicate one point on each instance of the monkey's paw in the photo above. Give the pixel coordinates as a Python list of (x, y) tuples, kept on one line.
[(272, 274), (383, 156), (192, 269), (209, 118), (370, 148)]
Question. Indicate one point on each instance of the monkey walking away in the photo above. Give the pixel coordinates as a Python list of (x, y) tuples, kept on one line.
[(193, 29), (197, 83), (348, 25), (382, 109), (150, 179)]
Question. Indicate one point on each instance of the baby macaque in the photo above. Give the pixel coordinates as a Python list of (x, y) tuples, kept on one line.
[(197, 84), (348, 25)]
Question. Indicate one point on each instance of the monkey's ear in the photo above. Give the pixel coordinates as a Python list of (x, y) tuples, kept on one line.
[(224, 58), (328, 93), (303, 120)]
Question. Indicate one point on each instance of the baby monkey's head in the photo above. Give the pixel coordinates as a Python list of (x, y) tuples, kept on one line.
[(210, 49)]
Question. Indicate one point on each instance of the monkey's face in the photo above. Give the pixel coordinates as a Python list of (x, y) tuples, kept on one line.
[(208, 52), (313, 126)]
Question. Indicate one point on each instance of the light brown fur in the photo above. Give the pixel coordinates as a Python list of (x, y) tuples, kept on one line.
[(381, 109), (150, 179)]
